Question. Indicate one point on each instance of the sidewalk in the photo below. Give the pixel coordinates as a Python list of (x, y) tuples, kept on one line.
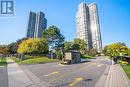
[(18, 78), (117, 77), (3, 77)]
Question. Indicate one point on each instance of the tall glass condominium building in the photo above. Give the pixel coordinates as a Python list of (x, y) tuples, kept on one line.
[(88, 27), (37, 23)]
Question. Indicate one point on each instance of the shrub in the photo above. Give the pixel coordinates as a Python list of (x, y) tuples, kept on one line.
[(124, 62), (59, 56)]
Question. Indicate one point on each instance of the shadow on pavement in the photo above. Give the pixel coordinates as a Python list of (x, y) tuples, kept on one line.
[(11, 62)]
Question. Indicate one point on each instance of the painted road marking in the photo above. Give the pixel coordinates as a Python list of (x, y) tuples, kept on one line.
[(63, 65), (2, 66), (76, 81), (99, 65), (53, 73)]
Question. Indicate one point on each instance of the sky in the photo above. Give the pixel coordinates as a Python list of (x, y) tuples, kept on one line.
[(114, 17)]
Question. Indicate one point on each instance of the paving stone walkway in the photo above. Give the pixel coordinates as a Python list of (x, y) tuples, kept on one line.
[(19, 78), (117, 77)]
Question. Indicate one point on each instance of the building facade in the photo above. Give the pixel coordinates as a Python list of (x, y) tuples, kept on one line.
[(88, 28), (37, 23), (31, 25)]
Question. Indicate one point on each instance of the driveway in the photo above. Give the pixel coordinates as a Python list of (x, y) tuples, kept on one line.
[(84, 74)]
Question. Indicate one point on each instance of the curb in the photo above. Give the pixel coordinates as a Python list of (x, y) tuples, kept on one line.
[(102, 80), (108, 77)]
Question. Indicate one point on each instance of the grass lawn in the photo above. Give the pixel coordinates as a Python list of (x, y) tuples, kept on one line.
[(127, 70), (87, 57), (3, 62), (35, 60)]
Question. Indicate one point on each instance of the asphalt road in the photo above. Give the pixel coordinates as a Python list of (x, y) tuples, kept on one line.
[(76, 75)]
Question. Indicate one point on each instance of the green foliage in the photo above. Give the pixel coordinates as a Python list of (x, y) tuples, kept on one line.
[(3, 62), (35, 60), (12, 49), (77, 44), (128, 52), (68, 46), (59, 55), (53, 36), (115, 49), (127, 70), (35, 46), (80, 45), (86, 56)]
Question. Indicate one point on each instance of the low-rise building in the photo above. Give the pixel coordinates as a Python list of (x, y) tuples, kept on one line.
[(73, 57)]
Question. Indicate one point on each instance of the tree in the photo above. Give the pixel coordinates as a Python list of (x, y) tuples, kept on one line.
[(3, 49), (105, 50), (18, 42), (92, 52), (115, 49), (68, 46), (128, 52), (33, 46), (13, 47), (59, 55), (53, 36), (76, 46), (80, 45)]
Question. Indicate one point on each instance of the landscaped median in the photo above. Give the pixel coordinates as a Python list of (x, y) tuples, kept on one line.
[(3, 62), (34, 60)]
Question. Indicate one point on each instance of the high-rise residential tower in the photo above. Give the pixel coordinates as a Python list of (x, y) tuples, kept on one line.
[(36, 25), (31, 25), (88, 28)]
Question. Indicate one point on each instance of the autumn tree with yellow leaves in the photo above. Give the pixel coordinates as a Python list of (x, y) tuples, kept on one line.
[(33, 46), (115, 49)]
